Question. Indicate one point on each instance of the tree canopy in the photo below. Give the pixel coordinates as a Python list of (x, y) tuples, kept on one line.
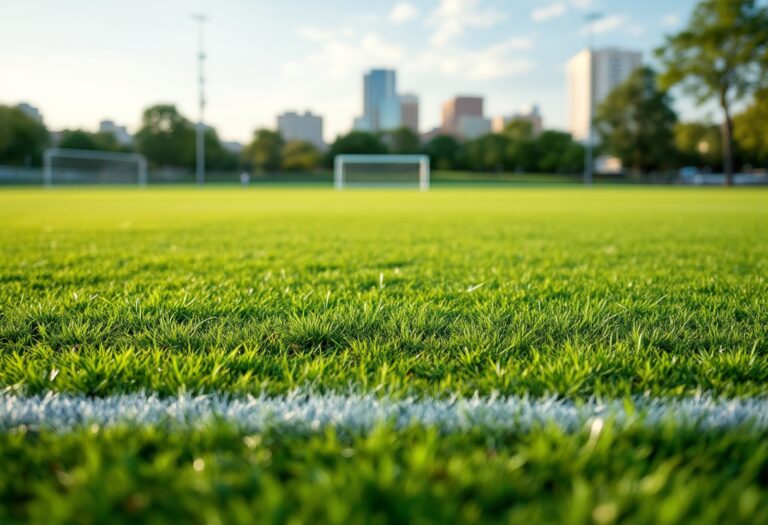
[(721, 55), (635, 123), (166, 138), (22, 138)]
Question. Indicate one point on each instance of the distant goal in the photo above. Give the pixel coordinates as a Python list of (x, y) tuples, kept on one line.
[(63, 166), (405, 171)]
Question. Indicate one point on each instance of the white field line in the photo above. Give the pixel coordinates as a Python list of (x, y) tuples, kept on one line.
[(303, 412)]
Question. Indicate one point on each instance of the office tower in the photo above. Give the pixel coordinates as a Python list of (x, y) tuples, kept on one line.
[(119, 132), (591, 76), (463, 118), (409, 112), (306, 127)]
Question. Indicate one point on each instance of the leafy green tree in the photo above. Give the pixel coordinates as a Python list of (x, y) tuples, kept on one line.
[(750, 129), (721, 55), (519, 130), (698, 143), (635, 122), (403, 141), (558, 153), (356, 142), (166, 138), (300, 155), (488, 153), (22, 139), (443, 152), (265, 150), (81, 139), (217, 157)]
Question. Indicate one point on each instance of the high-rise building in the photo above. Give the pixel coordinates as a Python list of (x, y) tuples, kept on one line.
[(530, 114), (119, 132), (306, 127), (463, 118), (381, 107), (591, 76), (409, 112)]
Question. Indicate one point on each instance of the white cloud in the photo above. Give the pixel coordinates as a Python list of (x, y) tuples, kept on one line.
[(582, 4), (637, 30), (494, 62), (452, 17), (549, 11), (403, 12), (606, 24), (340, 56), (670, 20), (313, 34)]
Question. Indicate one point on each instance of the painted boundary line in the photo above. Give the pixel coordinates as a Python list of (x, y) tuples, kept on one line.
[(306, 412)]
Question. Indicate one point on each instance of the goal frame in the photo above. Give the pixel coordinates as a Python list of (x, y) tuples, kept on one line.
[(340, 160), (71, 153)]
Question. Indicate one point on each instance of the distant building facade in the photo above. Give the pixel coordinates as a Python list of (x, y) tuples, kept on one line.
[(381, 106), (30, 111), (409, 112), (307, 127), (463, 118), (531, 114), (119, 132), (591, 76)]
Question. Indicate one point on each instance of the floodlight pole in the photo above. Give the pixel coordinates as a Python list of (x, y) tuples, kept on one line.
[(200, 143), (589, 153)]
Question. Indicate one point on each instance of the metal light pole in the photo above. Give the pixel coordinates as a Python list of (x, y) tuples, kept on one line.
[(200, 144), (589, 161)]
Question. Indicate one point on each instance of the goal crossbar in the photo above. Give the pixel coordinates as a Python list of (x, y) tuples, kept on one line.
[(69, 153), (341, 160)]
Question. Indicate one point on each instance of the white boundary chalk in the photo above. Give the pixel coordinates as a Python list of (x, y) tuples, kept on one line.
[(306, 412)]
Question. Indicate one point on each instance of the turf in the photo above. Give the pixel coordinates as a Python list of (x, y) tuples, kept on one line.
[(609, 292), (574, 293)]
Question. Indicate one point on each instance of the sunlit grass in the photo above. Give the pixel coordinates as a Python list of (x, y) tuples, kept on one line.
[(568, 292)]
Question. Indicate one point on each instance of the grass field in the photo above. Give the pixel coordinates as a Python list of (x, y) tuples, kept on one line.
[(583, 296)]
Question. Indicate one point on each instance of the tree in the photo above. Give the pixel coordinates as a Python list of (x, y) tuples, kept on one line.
[(443, 152), (166, 138), (81, 139), (22, 138), (265, 150), (300, 155), (750, 129), (488, 152), (356, 142), (403, 141), (698, 143), (635, 122), (519, 129), (722, 54), (558, 153)]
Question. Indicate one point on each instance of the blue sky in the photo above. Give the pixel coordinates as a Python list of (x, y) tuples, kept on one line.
[(80, 61)]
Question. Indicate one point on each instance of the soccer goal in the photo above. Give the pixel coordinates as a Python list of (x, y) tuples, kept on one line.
[(75, 166), (381, 171)]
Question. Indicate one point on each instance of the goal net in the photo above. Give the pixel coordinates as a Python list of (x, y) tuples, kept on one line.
[(382, 171), (74, 166)]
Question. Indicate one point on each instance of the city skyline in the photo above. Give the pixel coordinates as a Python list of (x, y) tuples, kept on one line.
[(512, 55)]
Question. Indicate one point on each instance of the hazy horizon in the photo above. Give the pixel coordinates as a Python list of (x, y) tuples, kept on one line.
[(81, 62)]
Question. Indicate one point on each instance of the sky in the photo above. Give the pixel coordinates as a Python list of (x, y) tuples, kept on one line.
[(82, 61)]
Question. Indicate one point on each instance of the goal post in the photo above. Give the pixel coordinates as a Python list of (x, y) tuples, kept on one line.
[(381, 171), (76, 166)]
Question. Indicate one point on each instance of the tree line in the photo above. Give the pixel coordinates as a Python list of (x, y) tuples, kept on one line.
[(721, 57)]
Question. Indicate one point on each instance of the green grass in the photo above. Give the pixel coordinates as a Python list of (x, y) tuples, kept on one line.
[(609, 292), (569, 292)]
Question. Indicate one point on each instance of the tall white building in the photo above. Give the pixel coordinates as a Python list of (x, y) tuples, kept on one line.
[(591, 76), (30, 111), (306, 127)]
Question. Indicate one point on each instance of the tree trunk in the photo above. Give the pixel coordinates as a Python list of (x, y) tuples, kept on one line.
[(727, 140)]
